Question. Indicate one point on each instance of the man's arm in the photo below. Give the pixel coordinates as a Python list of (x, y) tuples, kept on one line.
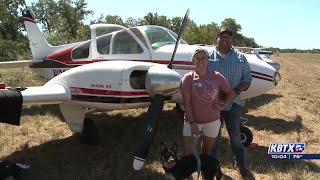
[(242, 87), (246, 77)]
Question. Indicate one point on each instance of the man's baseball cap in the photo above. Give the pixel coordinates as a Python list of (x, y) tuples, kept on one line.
[(225, 30)]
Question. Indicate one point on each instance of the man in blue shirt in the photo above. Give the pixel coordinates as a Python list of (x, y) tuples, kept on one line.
[(235, 68)]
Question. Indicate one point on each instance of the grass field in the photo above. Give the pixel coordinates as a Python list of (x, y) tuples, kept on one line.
[(288, 113)]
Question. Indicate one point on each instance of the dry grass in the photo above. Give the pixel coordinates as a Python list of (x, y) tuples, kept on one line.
[(288, 113)]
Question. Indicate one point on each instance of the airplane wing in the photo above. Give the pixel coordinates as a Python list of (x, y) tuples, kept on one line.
[(48, 94), (12, 99), (18, 64), (244, 49), (264, 47)]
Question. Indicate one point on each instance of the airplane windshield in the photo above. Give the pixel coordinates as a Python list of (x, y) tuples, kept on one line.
[(159, 36)]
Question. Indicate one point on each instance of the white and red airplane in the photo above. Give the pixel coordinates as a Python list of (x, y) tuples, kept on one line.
[(119, 68)]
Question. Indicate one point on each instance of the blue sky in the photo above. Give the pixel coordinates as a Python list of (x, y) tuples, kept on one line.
[(272, 23)]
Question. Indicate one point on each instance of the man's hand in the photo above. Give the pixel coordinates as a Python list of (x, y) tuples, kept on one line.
[(217, 106), (194, 128)]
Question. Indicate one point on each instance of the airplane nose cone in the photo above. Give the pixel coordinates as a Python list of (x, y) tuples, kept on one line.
[(162, 80), (276, 77)]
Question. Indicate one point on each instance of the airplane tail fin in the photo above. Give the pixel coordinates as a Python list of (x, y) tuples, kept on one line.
[(40, 48)]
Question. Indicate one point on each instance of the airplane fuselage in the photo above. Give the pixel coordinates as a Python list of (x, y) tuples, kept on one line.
[(143, 44), (103, 85)]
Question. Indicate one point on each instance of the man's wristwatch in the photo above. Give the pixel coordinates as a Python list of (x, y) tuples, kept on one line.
[(237, 90)]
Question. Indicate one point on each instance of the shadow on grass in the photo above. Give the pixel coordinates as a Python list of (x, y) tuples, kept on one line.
[(111, 159), (42, 110), (258, 162), (261, 100), (276, 125)]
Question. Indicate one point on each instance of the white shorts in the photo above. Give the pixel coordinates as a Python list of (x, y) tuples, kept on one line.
[(210, 129)]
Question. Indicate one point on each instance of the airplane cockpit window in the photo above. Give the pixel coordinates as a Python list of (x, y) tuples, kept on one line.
[(176, 36), (159, 36), (103, 44), (139, 35), (82, 51), (124, 43)]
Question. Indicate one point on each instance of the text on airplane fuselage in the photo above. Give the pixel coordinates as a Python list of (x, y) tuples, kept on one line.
[(56, 72), (101, 86)]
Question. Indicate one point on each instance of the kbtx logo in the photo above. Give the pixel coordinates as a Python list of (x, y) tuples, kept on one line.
[(276, 148)]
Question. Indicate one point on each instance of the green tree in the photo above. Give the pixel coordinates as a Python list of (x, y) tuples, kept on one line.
[(150, 18), (10, 19), (155, 19), (46, 13), (191, 33), (131, 22), (72, 15), (238, 39), (63, 18), (114, 19), (13, 44), (249, 42), (99, 20), (208, 33), (229, 22), (175, 24)]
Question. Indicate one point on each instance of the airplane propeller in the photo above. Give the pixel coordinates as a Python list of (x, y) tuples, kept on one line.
[(154, 77), (181, 30)]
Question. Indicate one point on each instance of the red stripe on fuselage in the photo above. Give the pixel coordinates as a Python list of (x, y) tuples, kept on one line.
[(63, 56), (29, 19), (261, 74), (70, 62), (188, 63), (77, 90)]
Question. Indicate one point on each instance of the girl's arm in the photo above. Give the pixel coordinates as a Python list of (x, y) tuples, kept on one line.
[(187, 106)]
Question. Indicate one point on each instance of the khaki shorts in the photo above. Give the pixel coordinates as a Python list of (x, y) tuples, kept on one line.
[(210, 129)]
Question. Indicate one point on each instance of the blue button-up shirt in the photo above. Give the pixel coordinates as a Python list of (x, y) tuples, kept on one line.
[(235, 68)]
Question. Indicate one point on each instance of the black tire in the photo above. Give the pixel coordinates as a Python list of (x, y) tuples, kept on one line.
[(90, 134), (246, 136)]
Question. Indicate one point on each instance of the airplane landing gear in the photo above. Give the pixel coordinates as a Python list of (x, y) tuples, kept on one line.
[(89, 133), (246, 136), (245, 133)]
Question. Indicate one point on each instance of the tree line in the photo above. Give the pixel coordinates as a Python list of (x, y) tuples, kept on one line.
[(62, 21)]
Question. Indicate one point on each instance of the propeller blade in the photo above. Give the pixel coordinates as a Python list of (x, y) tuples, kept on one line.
[(153, 114), (149, 130), (181, 30)]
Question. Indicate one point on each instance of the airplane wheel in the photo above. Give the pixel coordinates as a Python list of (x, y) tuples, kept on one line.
[(246, 136), (89, 133), (180, 108)]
